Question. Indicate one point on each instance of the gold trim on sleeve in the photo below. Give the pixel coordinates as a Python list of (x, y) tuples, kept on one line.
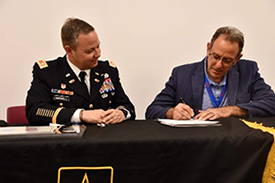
[(57, 111)]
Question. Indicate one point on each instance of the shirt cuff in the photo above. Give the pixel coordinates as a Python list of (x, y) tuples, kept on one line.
[(76, 116), (125, 111)]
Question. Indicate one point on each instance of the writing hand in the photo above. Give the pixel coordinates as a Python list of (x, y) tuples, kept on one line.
[(180, 112)]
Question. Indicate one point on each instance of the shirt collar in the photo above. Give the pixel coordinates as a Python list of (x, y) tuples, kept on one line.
[(224, 79), (75, 69)]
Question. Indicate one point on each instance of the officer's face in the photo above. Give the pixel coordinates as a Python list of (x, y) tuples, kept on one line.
[(87, 51), (221, 58)]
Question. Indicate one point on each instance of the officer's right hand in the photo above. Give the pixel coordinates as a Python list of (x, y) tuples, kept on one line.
[(92, 116)]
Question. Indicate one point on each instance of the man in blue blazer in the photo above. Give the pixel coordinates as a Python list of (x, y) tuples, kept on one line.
[(221, 85)]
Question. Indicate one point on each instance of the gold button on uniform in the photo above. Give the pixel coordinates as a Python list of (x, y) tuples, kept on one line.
[(91, 106), (61, 104)]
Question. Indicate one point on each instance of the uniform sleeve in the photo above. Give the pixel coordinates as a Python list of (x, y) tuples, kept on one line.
[(121, 99), (39, 108)]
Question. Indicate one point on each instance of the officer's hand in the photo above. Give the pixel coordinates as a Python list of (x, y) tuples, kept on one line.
[(180, 112), (92, 116), (113, 116)]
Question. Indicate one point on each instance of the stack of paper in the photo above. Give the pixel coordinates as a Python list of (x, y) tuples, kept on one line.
[(188, 123), (21, 130), (52, 131)]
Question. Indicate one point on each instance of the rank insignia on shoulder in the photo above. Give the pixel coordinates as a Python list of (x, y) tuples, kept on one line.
[(112, 64), (42, 64)]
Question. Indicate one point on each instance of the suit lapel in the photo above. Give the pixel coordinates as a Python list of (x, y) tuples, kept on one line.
[(197, 85), (198, 82), (68, 76), (232, 86)]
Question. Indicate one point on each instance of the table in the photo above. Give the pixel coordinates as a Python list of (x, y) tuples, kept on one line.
[(141, 151)]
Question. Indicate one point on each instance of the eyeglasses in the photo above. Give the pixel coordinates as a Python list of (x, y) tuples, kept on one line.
[(225, 61)]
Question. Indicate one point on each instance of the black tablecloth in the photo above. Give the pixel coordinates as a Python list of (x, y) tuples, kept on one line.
[(142, 151)]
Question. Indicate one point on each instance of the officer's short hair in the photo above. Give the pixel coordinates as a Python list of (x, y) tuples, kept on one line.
[(71, 29), (231, 34)]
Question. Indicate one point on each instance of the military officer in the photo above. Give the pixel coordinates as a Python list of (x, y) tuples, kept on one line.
[(77, 87)]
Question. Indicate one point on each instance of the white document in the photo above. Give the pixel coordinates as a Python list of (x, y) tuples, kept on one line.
[(22, 130), (12, 130), (188, 123)]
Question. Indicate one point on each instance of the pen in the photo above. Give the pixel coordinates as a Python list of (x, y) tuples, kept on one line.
[(182, 101)]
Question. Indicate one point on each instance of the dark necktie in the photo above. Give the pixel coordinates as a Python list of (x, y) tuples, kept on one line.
[(82, 75)]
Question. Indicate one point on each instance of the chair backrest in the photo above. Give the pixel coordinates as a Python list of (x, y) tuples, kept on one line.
[(16, 115)]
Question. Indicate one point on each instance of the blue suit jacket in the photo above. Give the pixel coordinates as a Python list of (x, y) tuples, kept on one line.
[(245, 87)]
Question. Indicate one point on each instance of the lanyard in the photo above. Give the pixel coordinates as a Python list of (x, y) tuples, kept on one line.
[(211, 95)]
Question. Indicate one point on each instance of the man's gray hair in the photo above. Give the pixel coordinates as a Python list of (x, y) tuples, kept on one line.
[(231, 34)]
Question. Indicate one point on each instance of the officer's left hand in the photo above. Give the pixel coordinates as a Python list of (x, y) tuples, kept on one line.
[(113, 116)]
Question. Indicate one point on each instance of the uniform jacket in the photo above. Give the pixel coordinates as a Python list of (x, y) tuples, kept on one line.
[(56, 92), (245, 88)]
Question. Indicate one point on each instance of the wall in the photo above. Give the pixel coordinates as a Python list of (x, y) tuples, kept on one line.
[(145, 38)]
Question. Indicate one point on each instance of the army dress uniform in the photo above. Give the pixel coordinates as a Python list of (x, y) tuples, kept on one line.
[(56, 92)]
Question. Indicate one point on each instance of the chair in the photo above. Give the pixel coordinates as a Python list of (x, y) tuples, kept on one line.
[(16, 115)]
